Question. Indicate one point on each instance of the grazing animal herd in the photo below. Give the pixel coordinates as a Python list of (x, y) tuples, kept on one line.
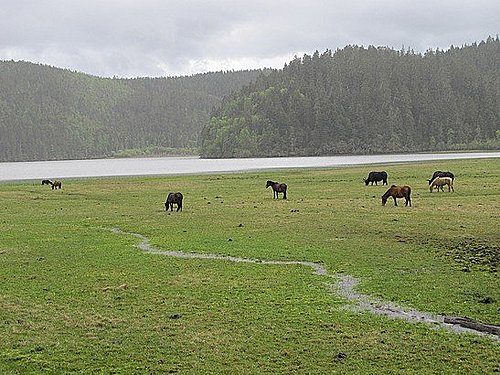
[(438, 180), (55, 185)]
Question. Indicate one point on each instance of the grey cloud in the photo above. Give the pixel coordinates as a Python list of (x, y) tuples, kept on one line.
[(154, 37)]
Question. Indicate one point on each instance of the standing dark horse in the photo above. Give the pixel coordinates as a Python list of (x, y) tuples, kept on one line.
[(46, 182), (277, 188), (174, 198), (397, 192), (56, 184)]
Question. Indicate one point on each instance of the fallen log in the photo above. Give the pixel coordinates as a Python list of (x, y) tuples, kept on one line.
[(473, 324)]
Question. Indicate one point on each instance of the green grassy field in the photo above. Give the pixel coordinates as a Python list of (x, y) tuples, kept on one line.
[(76, 297)]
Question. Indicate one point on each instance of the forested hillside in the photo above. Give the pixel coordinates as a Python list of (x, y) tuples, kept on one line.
[(364, 100), (50, 113)]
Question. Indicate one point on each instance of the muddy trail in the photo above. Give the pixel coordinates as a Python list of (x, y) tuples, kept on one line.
[(343, 286)]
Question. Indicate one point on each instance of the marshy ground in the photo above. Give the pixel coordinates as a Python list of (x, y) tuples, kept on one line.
[(76, 296)]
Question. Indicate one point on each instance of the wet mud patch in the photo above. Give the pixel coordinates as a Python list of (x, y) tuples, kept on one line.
[(469, 253), (343, 286), (474, 252)]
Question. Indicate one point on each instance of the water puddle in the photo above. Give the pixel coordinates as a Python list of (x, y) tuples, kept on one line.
[(341, 285)]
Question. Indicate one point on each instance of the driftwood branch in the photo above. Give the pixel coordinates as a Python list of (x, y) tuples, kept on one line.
[(473, 324)]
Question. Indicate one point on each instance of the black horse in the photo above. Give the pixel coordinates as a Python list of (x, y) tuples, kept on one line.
[(277, 188), (46, 182), (174, 198)]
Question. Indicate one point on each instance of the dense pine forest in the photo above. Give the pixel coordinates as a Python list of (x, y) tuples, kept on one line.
[(356, 100), (49, 113), (364, 100)]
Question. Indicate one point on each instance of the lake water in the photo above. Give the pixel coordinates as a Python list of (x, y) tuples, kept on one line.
[(194, 165)]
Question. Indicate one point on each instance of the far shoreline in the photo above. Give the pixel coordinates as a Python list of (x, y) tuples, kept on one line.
[(192, 165)]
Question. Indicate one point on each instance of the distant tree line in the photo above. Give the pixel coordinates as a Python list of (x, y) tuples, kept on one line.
[(364, 100), (50, 113)]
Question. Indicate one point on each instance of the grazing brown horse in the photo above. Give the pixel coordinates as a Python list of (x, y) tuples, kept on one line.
[(56, 184), (277, 188), (174, 198), (397, 192), (46, 182), (439, 182)]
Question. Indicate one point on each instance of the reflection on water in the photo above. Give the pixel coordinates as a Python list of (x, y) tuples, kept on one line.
[(194, 165)]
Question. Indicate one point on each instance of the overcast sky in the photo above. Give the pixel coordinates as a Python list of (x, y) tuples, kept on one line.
[(130, 38)]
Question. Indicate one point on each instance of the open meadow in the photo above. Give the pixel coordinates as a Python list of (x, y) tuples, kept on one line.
[(76, 296)]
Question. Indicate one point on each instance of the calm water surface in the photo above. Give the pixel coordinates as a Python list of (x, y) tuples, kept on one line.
[(195, 165)]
